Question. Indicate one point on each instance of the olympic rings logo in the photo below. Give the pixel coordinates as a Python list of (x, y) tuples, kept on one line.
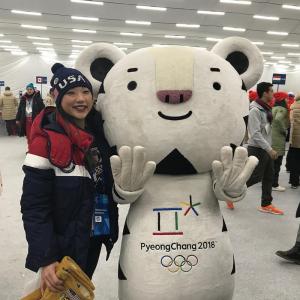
[(173, 265)]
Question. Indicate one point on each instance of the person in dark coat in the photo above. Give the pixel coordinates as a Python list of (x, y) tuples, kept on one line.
[(67, 202), (31, 104), (294, 253)]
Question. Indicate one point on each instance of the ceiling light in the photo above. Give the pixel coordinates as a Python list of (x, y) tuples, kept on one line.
[(277, 33), (293, 54), (210, 39), (76, 50), (281, 66), (73, 55), (5, 41), (84, 30), (285, 62), (160, 45), (42, 44), (80, 41), (234, 29), (131, 34), (266, 18), (79, 46), (209, 12), (44, 49), (123, 48), (9, 47), (34, 27), (123, 44), (236, 2), (1, 34), (151, 7), (267, 53), (85, 18), (20, 53), (167, 36), (137, 22), (87, 2), (38, 38), (291, 7), (290, 45), (188, 25), (22, 12), (258, 43), (278, 57)]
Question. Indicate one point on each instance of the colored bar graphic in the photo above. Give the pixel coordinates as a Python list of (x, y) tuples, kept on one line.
[(176, 220), (167, 233), (167, 209)]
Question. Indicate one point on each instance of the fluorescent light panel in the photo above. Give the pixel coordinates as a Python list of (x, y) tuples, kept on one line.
[(285, 62), (122, 44), (84, 31), (188, 25), (290, 45), (9, 47), (234, 29), (81, 41), (123, 48), (236, 2), (210, 39), (5, 41), (20, 53), (258, 43), (293, 54), (277, 33), (22, 12), (209, 12), (151, 7), (266, 18), (278, 57), (291, 7), (79, 46), (42, 44), (131, 34), (133, 22), (88, 2), (92, 19), (34, 27), (38, 38), (168, 36), (267, 53), (1, 34)]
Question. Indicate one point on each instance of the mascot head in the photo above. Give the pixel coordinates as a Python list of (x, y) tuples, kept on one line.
[(181, 103)]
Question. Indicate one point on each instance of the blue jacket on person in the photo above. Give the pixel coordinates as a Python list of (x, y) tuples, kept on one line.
[(58, 193)]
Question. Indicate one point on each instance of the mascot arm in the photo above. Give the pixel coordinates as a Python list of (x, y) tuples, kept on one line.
[(131, 171), (231, 174)]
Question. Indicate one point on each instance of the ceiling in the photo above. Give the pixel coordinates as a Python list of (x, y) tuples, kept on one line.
[(56, 16)]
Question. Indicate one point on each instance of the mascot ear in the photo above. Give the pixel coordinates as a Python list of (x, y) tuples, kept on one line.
[(244, 56), (96, 61)]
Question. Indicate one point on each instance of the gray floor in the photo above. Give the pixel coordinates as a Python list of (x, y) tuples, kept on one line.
[(255, 237)]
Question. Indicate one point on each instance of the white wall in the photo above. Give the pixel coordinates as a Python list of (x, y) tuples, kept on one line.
[(18, 71), (292, 79)]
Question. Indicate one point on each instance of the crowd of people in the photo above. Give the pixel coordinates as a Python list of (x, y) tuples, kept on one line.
[(57, 210)]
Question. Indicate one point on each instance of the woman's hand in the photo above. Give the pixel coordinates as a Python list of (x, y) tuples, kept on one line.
[(50, 280)]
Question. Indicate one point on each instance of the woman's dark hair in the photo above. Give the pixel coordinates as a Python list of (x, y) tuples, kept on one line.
[(263, 87), (7, 88)]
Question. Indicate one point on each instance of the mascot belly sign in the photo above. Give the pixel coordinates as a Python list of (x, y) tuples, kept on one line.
[(176, 110), (175, 245)]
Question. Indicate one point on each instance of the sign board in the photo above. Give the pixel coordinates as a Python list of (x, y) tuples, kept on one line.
[(279, 79), (2, 83), (41, 79)]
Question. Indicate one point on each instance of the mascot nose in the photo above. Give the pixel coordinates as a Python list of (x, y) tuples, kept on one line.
[(174, 96)]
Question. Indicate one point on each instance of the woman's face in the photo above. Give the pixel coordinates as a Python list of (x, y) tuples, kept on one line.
[(77, 102)]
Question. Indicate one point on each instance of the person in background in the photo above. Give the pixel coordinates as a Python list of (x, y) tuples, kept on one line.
[(67, 202), (293, 254), (31, 104), (9, 105), (293, 157), (260, 145), (279, 131), (49, 99)]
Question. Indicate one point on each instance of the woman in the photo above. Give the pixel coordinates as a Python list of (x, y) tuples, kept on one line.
[(293, 157), (31, 104), (279, 131), (67, 201)]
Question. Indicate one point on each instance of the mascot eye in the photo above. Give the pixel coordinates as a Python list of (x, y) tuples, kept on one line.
[(217, 86), (132, 85)]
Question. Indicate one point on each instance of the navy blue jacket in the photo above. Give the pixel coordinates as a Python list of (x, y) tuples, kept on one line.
[(58, 193)]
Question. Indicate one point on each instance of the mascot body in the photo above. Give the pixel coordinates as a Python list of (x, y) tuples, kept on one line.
[(182, 105)]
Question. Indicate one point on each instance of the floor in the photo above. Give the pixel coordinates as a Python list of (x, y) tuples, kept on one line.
[(261, 275)]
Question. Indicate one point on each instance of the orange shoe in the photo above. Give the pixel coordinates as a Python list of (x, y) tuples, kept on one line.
[(229, 204), (271, 210)]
